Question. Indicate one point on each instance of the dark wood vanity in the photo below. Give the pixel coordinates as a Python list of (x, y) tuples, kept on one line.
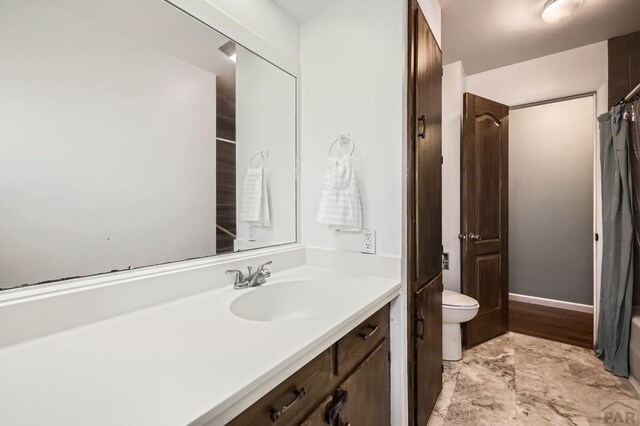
[(347, 384)]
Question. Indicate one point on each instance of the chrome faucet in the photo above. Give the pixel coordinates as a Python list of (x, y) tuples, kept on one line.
[(250, 279)]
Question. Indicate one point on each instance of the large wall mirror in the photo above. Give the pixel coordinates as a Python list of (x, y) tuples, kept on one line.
[(131, 134)]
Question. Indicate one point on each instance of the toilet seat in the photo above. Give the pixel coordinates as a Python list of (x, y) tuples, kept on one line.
[(453, 300)]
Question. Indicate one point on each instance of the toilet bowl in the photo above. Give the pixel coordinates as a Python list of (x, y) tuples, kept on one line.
[(456, 309)]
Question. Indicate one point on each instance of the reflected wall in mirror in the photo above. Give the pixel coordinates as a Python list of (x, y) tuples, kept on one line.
[(132, 134)]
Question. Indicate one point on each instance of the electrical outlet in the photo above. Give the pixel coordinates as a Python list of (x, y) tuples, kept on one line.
[(445, 261), (369, 241)]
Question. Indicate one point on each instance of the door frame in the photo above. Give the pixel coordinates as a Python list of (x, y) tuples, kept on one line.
[(412, 9), (597, 193)]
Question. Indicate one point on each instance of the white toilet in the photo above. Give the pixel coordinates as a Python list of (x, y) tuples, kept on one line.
[(456, 309)]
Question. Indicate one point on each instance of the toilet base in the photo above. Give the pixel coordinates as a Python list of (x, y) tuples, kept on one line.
[(451, 342)]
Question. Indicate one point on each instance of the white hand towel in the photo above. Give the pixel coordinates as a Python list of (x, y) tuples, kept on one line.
[(340, 206), (255, 198)]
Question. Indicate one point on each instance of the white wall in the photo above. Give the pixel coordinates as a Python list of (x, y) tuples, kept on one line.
[(453, 86), (566, 73), (267, 20), (433, 12), (266, 121), (258, 25), (82, 108), (352, 82)]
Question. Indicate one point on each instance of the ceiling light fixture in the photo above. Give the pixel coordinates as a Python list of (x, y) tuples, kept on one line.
[(560, 10)]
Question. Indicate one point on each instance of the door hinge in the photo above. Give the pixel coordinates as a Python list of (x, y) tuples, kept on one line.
[(389, 356), (597, 237), (442, 366), (442, 72), (441, 159)]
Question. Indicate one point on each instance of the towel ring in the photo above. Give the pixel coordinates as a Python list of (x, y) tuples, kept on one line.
[(343, 139), (263, 156)]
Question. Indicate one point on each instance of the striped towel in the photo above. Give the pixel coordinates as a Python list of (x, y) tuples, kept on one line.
[(255, 199), (340, 206)]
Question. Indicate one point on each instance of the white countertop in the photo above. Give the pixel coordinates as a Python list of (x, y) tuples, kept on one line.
[(179, 363)]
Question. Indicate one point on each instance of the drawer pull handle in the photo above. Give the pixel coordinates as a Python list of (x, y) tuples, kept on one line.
[(276, 414), (366, 336)]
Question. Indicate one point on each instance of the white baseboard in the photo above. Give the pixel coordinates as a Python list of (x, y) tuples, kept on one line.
[(551, 302), (635, 384)]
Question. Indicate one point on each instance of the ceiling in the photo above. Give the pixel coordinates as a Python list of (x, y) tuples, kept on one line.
[(488, 34), (304, 9)]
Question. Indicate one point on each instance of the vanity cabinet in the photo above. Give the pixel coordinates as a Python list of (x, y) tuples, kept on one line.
[(368, 401), (349, 382)]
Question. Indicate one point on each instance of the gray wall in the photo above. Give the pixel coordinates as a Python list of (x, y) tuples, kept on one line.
[(551, 200)]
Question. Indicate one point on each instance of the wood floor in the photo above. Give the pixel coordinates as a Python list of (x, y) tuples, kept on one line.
[(560, 325)]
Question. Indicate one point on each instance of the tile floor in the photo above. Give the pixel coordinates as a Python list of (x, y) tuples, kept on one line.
[(521, 380)]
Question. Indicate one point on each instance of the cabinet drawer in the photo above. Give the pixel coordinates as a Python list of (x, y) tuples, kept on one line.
[(292, 400), (319, 415), (353, 348)]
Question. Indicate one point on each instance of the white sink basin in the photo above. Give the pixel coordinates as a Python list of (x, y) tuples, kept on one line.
[(285, 301)]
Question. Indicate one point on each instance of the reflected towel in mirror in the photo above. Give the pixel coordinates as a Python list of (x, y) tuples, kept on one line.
[(255, 198), (340, 206)]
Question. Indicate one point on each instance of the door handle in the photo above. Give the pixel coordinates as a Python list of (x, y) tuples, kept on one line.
[(340, 400), (462, 236), (423, 133), (475, 237), (420, 320)]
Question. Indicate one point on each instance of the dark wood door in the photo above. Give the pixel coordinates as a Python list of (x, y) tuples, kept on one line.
[(424, 211), (368, 390), (484, 236), (428, 349), (428, 187)]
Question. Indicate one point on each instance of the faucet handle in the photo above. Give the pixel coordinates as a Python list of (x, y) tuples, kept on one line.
[(262, 267), (263, 270), (239, 275)]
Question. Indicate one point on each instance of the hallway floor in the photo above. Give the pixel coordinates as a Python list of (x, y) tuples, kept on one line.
[(517, 379)]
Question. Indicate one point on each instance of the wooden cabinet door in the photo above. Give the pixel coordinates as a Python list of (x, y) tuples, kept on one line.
[(319, 415), (424, 208), (428, 186), (368, 388), (428, 348)]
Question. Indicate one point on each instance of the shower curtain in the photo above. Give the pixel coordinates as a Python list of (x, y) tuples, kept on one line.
[(616, 291), (635, 175)]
